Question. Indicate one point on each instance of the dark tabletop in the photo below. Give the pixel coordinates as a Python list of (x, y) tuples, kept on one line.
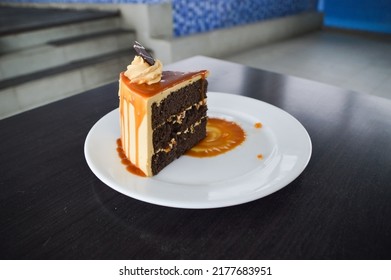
[(53, 207)]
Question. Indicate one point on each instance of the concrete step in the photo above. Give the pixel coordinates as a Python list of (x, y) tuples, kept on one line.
[(23, 28), (62, 51), (32, 90)]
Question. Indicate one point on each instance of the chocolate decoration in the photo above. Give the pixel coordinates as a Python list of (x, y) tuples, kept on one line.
[(141, 51)]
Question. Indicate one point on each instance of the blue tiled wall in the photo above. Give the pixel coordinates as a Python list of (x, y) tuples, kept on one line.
[(195, 16)]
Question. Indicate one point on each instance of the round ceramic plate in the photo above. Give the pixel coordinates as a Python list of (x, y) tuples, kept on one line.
[(235, 177)]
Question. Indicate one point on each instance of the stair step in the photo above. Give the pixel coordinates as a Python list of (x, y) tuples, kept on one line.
[(21, 79), (62, 51), (87, 37), (29, 91), (20, 30), (14, 20)]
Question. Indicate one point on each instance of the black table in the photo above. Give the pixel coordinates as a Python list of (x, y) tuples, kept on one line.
[(53, 207)]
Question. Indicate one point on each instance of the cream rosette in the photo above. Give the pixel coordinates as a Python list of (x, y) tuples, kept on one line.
[(140, 72)]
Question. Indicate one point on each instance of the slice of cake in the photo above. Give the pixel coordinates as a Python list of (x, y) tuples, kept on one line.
[(162, 113)]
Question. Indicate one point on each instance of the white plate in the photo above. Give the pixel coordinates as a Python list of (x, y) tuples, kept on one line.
[(235, 177)]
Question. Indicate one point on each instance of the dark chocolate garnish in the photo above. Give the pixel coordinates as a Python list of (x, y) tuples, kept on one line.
[(141, 51)]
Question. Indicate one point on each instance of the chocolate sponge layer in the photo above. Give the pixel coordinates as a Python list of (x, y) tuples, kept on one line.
[(178, 101), (178, 123), (184, 142), (169, 130)]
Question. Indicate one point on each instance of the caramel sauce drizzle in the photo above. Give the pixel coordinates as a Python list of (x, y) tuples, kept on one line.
[(258, 125), (221, 137), (125, 161)]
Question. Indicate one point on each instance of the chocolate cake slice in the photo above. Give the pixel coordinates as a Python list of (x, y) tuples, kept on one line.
[(160, 121)]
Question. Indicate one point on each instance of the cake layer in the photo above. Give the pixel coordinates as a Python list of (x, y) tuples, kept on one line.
[(183, 143), (178, 101), (177, 124)]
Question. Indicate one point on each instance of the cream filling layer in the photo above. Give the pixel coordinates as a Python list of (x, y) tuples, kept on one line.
[(173, 142), (178, 118)]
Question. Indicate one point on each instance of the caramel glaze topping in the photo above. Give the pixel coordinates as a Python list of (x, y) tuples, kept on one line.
[(221, 137), (169, 79)]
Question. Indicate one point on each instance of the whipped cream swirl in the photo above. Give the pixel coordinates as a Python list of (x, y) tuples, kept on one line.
[(141, 72)]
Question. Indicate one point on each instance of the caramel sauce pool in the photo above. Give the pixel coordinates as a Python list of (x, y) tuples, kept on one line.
[(221, 136)]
